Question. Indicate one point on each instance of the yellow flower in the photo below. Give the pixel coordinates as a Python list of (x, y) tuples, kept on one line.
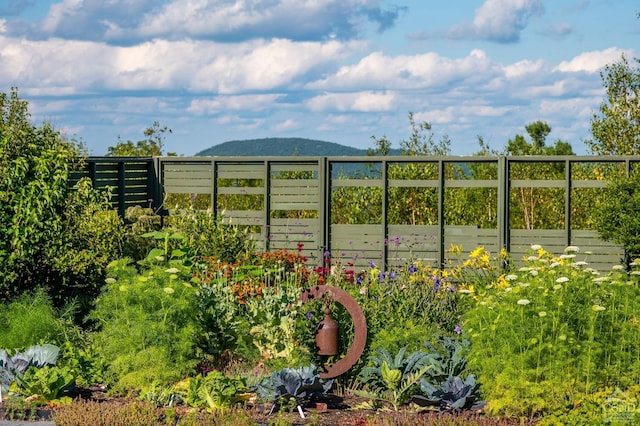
[(454, 249), (502, 282), (476, 252), (503, 254)]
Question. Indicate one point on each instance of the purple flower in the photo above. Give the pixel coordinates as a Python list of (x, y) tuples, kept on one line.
[(412, 269), (392, 275), (309, 315), (458, 329), (436, 284), (371, 264), (381, 276), (327, 253)]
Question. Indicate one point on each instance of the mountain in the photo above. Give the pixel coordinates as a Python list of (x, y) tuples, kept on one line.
[(281, 147)]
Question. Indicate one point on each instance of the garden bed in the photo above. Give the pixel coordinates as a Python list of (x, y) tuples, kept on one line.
[(94, 407)]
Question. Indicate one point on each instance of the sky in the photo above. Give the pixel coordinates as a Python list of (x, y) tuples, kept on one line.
[(342, 71)]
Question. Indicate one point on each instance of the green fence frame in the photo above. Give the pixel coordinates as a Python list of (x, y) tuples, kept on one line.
[(307, 184)]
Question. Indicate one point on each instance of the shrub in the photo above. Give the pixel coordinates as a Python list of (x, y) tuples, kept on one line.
[(206, 234), (140, 221), (251, 307), (31, 319), (53, 237), (552, 332), (92, 237), (147, 326), (617, 219)]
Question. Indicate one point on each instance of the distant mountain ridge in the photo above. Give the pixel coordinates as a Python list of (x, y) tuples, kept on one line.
[(281, 147)]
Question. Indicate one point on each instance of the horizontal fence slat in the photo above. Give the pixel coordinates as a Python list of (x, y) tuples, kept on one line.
[(518, 183), (180, 174), (241, 175), (294, 183), (238, 190), (411, 183), (356, 182), (479, 183)]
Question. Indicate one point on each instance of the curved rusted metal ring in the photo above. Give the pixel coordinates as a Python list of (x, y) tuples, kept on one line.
[(359, 325)]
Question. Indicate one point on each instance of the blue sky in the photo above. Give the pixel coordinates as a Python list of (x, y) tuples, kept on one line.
[(336, 70)]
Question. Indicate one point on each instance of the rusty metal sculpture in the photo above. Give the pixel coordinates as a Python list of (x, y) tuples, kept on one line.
[(359, 325)]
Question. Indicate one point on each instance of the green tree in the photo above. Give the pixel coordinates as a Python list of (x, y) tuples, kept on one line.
[(618, 219), (152, 145), (538, 132), (537, 208), (406, 205), (39, 213), (616, 127)]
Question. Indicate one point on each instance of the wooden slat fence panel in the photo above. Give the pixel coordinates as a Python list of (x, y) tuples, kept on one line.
[(287, 234), (187, 177), (357, 244), (408, 243), (296, 187)]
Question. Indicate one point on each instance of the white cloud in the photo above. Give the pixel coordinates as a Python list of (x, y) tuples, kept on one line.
[(593, 61), (500, 21), (123, 21), (52, 66), (572, 109), (406, 72), (523, 68), (503, 20), (57, 65), (287, 124), (233, 103), (368, 101), (262, 65)]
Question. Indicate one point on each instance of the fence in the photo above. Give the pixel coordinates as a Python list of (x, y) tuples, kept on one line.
[(387, 209), (133, 180)]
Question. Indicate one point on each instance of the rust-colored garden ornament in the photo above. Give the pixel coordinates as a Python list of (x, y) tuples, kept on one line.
[(327, 331), (327, 334)]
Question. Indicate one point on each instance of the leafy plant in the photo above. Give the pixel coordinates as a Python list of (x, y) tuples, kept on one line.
[(31, 319), (47, 383), (167, 241), (207, 234), (372, 375), (393, 379), (139, 221), (300, 384), (146, 326), (452, 394), (220, 391), (214, 391), (13, 368), (447, 355)]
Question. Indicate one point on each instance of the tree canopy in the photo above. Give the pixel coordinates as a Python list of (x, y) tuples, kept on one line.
[(152, 145), (616, 127), (538, 132)]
